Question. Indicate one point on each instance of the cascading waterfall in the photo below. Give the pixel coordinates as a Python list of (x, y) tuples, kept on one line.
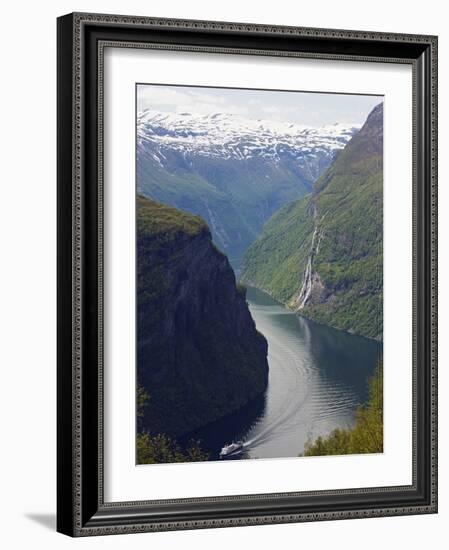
[(306, 287)]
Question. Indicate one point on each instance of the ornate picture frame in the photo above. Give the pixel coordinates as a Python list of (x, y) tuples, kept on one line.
[(81, 508)]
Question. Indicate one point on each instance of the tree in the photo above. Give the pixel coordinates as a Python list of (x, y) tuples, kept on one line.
[(160, 448), (367, 434)]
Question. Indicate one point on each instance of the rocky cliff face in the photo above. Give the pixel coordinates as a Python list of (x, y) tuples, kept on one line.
[(199, 355), (322, 255)]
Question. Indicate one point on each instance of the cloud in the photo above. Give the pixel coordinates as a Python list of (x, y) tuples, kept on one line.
[(185, 100), (150, 97), (314, 109)]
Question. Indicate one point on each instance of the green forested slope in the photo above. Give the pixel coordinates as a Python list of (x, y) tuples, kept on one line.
[(322, 255), (234, 197)]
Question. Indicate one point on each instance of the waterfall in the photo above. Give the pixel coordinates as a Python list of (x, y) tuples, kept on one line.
[(306, 287)]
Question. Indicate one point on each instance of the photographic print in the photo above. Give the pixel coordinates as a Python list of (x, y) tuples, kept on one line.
[(247, 274), (259, 292)]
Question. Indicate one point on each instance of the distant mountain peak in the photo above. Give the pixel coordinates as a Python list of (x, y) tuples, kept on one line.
[(234, 136), (233, 171)]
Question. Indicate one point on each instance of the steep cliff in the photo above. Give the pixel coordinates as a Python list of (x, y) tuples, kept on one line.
[(322, 255), (199, 355)]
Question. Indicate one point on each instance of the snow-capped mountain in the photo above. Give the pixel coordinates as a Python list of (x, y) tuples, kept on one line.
[(232, 136), (232, 171)]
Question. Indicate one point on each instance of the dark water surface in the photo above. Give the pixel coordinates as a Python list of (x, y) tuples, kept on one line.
[(318, 376)]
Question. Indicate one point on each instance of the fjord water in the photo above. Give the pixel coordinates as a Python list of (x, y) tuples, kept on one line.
[(318, 375)]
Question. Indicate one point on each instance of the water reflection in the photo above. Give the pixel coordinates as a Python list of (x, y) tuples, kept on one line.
[(318, 376)]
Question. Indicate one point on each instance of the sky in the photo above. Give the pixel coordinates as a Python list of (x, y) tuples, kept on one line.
[(308, 108)]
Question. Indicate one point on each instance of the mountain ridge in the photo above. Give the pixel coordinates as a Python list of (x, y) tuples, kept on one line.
[(233, 172), (322, 255), (226, 135)]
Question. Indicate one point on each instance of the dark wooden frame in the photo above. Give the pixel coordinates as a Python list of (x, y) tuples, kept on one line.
[(81, 507)]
